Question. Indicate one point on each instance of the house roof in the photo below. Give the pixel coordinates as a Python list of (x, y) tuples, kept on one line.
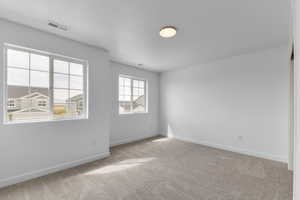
[(34, 95), (76, 98), (20, 91)]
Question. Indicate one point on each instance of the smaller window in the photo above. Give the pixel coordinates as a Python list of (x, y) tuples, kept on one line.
[(132, 95), (42, 103), (11, 103)]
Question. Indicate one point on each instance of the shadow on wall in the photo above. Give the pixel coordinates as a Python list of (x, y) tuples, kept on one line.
[(170, 132), (167, 130)]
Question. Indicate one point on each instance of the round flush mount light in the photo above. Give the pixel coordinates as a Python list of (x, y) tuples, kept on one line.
[(168, 31)]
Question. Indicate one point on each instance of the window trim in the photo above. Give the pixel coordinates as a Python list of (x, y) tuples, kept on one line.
[(132, 78), (51, 56)]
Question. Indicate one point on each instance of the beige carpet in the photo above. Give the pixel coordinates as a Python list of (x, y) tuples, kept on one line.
[(160, 169)]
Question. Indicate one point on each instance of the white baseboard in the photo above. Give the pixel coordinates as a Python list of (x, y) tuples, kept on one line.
[(236, 150), (46, 171), (130, 139)]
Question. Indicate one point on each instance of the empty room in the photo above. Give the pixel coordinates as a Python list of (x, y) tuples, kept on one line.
[(149, 100)]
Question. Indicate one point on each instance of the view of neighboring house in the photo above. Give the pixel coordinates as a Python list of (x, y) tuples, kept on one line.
[(76, 104), (138, 105), (37, 105), (34, 100)]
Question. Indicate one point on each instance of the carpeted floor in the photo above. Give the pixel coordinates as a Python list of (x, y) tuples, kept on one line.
[(163, 169)]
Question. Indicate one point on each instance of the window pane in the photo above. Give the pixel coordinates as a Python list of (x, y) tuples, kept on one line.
[(121, 82), (14, 95), (127, 91), (135, 97), (141, 91), (60, 96), (124, 81), (76, 69), (39, 62), (18, 77), (121, 91), (24, 107), (60, 106), (76, 82), (39, 79), (60, 110), (61, 66), (17, 58), (76, 102), (135, 83), (61, 81), (76, 94), (16, 91), (135, 91), (127, 82), (141, 84), (121, 97), (35, 98), (138, 104), (43, 91), (124, 98), (124, 107)]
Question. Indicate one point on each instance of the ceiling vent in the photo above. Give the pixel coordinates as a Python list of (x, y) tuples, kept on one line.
[(57, 25)]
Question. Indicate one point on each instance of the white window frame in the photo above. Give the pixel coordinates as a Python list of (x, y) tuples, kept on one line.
[(132, 78), (52, 57)]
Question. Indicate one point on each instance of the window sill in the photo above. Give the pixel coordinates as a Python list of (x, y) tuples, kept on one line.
[(43, 121), (133, 113)]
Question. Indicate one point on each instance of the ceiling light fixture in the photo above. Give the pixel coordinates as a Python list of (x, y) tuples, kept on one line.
[(168, 31)]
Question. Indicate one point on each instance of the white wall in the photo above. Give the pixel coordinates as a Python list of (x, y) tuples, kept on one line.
[(296, 40), (28, 150), (130, 127), (239, 103)]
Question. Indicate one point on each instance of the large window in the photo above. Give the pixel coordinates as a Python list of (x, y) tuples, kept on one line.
[(43, 86), (132, 95)]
